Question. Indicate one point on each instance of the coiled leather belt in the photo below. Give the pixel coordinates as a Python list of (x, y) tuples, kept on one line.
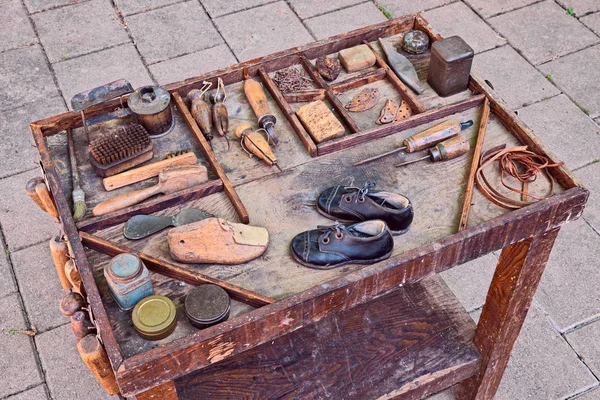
[(520, 163)]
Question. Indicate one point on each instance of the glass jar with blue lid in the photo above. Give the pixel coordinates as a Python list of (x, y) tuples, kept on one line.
[(128, 280)]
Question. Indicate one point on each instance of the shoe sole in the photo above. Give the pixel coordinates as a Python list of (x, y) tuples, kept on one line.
[(347, 221), (325, 267)]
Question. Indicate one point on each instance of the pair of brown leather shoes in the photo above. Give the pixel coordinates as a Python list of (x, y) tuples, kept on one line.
[(372, 216)]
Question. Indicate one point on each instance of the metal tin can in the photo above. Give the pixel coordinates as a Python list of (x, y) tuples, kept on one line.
[(207, 305), (415, 42), (151, 106), (128, 280), (450, 66), (154, 317)]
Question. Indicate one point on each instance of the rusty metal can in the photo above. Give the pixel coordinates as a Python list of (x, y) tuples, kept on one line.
[(207, 305), (154, 317), (128, 280), (415, 42), (450, 66), (151, 106)]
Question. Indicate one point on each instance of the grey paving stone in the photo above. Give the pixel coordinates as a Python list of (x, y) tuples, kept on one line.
[(17, 153), (513, 77), (96, 69), (543, 31), (24, 77), (40, 5), (578, 75), (471, 28), (83, 28), (487, 8), (172, 31), (22, 221), (399, 8), (66, 375), (580, 7), (217, 8), (344, 20), (266, 34), (470, 281), (7, 283), (585, 342), (310, 8), (590, 176), (17, 357), (593, 394), (37, 393), (567, 131), (128, 7), (592, 21), (39, 286), (542, 365), (569, 288), (193, 64), (15, 28)]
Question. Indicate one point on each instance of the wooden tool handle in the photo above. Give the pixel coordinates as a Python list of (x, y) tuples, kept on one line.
[(72, 275), (60, 256), (257, 98), (46, 199), (95, 358), (81, 325), (451, 148), (147, 171), (125, 200), (432, 136), (30, 190), (71, 303)]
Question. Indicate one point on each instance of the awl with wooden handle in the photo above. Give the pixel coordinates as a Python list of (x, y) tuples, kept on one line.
[(30, 190), (258, 101), (425, 139), (169, 181), (147, 171), (444, 151)]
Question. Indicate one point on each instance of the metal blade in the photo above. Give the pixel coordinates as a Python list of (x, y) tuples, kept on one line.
[(402, 67), (413, 161), (377, 157)]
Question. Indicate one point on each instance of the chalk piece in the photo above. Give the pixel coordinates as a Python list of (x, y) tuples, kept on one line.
[(357, 58), (320, 122)]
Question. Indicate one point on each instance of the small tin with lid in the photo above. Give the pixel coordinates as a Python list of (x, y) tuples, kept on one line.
[(450, 66), (415, 42), (128, 280), (207, 305), (154, 317), (151, 106)]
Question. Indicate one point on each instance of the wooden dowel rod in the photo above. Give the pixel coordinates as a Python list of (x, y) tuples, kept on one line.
[(404, 91), (306, 140), (304, 96), (335, 102), (359, 80), (464, 217), (173, 271), (212, 159)]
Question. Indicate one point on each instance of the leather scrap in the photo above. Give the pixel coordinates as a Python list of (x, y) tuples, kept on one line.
[(363, 101), (328, 67), (404, 111), (388, 112)]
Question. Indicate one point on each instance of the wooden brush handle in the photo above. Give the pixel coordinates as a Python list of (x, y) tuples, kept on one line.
[(147, 171), (95, 358), (60, 256), (30, 190), (46, 199), (125, 200)]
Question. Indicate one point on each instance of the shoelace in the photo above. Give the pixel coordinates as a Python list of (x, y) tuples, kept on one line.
[(338, 228), (362, 192)]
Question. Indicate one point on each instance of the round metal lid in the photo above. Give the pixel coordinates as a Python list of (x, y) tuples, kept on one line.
[(415, 42), (148, 100), (125, 267), (154, 317), (207, 303)]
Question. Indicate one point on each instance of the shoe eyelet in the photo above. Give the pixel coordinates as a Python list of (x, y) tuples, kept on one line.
[(348, 199), (325, 240), (361, 200), (339, 237)]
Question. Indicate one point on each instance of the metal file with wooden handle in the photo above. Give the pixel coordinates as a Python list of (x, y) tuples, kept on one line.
[(258, 101), (169, 181), (147, 171)]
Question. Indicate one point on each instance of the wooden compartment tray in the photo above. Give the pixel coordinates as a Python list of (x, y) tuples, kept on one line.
[(387, 330)]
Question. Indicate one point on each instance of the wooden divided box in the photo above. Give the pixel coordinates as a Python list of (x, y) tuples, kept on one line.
[(387, 330)]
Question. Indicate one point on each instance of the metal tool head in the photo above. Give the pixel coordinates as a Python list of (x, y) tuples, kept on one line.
[(189, 216), (402, 67), (108, 91)]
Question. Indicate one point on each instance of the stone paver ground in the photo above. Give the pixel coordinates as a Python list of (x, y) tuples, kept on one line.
[(541, 56)]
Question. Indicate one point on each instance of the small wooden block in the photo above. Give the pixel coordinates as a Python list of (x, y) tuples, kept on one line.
[(357, 58), (320, 122)]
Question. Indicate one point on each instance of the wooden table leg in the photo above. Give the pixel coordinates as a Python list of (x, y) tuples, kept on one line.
[(515, 281), (164, 391)]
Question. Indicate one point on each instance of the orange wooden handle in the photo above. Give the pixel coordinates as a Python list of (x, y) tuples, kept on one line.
[(95, 358), (125, 200), (30, 190), (257, 98), (60, 256), (46, 199)]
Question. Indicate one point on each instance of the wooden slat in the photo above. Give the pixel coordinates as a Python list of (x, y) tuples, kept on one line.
[(515, 281), (304, 96), (390, 129), (304, 137), (173, 271), (359, 80), (212, 159), (366, 352), (165, 391), (331, 97), (182, 356), (405, 92), (151, 206)]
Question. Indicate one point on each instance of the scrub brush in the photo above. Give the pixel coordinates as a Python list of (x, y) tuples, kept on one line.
[(78, 194)]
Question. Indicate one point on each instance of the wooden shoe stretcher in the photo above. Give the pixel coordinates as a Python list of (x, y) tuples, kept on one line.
[(391, 329)]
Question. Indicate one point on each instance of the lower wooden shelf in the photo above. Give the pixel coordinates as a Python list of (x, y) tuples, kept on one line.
[(407, 344)]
